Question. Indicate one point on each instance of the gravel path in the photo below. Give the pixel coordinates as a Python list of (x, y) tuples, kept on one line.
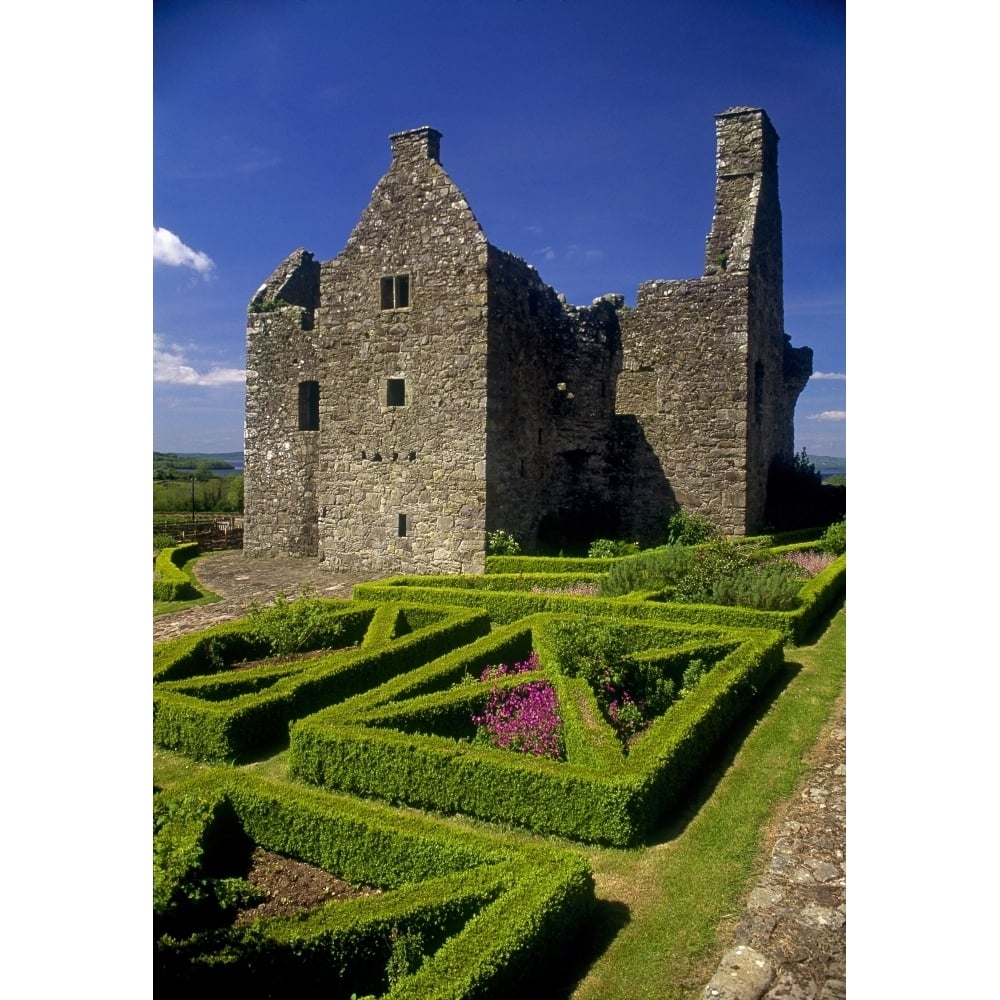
[(791, 942)]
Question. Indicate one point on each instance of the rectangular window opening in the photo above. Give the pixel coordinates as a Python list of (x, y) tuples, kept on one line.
[(395, 392), (394, 292), (386, 294), (401, 527), (309, 406)]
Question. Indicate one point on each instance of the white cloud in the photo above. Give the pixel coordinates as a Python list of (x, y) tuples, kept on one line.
[(819, 376), (171, 366), (830, 415), (169, 250), (547, 253)]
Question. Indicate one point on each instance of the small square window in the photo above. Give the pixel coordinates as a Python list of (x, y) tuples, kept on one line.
[(395, 392), (394, 291)]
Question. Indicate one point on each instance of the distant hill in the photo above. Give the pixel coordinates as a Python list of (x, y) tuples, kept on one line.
[(828, 466)]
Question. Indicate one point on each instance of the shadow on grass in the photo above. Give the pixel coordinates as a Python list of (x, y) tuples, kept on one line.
[(555, 974), (822, 623), (703, 783)]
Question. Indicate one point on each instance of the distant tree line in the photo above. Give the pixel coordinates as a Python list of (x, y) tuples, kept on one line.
[(186, 483), (167, 465)]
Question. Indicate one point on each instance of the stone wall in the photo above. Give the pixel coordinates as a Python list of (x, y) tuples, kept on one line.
[(455, 393), (551, 398), (708, 371), (280, 461)]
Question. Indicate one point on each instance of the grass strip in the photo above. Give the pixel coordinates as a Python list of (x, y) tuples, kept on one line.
[(680, 892)]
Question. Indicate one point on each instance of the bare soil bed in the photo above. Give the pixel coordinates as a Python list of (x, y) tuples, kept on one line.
[(293, 886)]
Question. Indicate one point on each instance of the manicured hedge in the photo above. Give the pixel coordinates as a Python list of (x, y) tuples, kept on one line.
[(173, 583), (547, 564), (409, 739), (817, 595), (221, 714), (485, 908)]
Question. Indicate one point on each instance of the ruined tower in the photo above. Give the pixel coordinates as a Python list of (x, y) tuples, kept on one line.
[(707, 393)]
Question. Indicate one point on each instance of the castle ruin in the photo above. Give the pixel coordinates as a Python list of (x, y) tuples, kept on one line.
[(424, 388)]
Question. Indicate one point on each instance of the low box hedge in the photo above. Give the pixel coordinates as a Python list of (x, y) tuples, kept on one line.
[(817, 595), (409, 740), (485, 909), (209, 712), (173, 583)]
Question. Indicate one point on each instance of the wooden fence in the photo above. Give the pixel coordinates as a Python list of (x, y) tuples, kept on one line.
[(211, 532)]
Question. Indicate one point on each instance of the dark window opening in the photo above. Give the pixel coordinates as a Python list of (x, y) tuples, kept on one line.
[(394, 291), (533, 302), (395, 392), (758, 391), (309, 406), (401, 528)]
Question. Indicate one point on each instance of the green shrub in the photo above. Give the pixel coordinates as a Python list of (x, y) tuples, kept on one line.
[(500, 543), (650, 570), (689, 529), (599, 652), (835, 538), (735, 576), (293, 626), (268, 305), (607, 548), (163, 542)]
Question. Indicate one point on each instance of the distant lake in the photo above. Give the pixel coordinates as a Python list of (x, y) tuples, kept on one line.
[(235, 458)]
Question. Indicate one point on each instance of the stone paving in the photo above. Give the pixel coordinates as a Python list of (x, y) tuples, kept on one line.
[(790, 944)]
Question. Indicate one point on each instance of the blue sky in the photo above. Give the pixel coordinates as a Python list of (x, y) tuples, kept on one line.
[(581, 132)]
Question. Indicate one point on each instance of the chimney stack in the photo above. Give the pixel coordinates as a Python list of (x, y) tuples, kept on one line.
[(417, 144)]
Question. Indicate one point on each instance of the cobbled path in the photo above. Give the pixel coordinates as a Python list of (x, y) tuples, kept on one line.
[(241, 581), (791, 942)]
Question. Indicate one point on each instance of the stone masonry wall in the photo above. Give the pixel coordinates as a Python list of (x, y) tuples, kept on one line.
[(551, 398), (280, 497), (459, 394), (684, 380), (708, 372), (422, 456)]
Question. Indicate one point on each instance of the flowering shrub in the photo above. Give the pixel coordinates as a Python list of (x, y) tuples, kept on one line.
[(607, 548), (525, 718), (811, 561), (502, 543), (626, 717), (734, 576), (576, 589), (630, 693), (502, 670)]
